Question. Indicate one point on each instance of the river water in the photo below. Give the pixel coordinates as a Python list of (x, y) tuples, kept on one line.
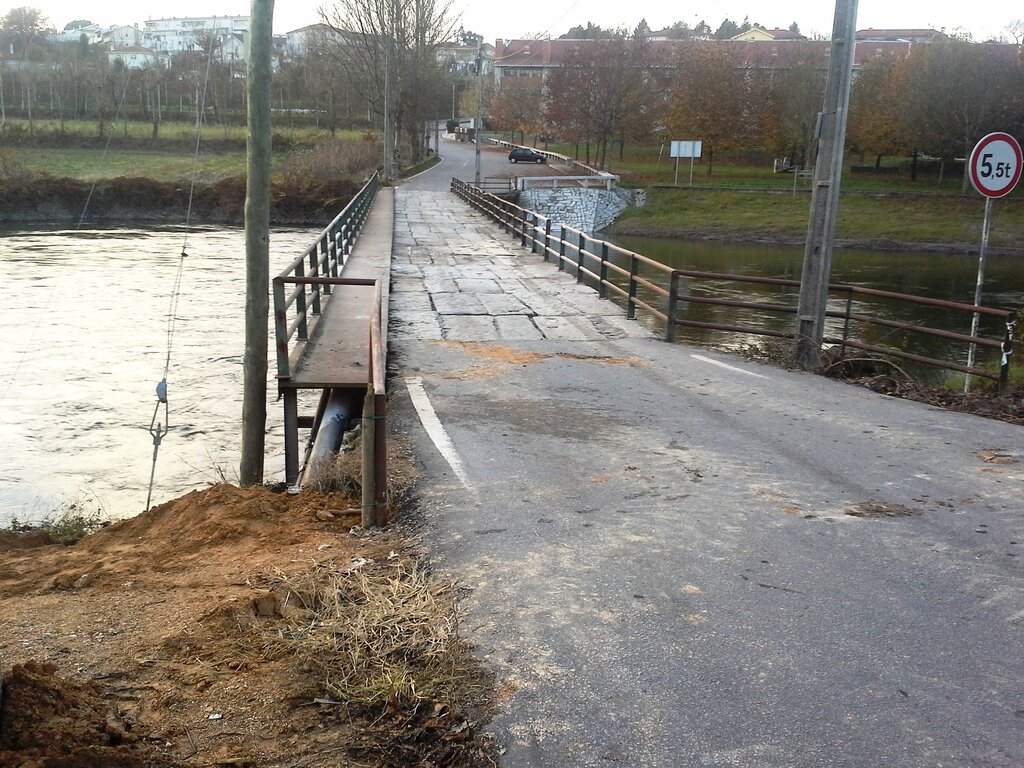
[(83, 343), (941, 276)]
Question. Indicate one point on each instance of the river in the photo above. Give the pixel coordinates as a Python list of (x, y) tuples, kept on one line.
[(83, 343), (84, 338), (935, 275)]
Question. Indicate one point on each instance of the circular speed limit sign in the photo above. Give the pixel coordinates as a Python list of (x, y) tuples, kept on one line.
[(995, 165)]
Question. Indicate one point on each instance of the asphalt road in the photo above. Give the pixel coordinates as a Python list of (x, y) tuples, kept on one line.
[(459, 161), (674, 557)]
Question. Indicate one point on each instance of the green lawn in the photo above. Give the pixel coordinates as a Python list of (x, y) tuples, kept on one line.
[(160, 165), (891, 218)]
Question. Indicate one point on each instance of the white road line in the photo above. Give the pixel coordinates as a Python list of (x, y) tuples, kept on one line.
[(727, 366), (436, 431)]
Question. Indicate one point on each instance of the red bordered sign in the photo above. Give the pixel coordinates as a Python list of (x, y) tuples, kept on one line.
[(996, 165)]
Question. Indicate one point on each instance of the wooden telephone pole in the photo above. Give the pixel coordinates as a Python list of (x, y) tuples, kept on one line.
[(828, 171), (257, 244)]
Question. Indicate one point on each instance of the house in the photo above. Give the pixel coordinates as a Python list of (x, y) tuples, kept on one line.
[(461, 59), (899, 35), (122, 36), (178, 35), (759, 34), (137, 57)]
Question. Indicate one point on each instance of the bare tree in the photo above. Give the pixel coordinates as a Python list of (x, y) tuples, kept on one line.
[(388, 47)]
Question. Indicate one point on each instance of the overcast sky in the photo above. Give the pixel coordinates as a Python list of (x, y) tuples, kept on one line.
[(539, 18)]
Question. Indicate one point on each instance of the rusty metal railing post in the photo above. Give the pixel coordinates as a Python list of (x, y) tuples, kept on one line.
[(314, 271), (369, 465), (581, 251), (281, 328), (1006, 350), (673, 301), (547, 238), (846, 321), (380, 458), (602, 285), (300, 303), (634, 270)]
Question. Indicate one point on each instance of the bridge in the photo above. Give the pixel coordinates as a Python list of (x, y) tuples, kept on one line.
[(675, 556)]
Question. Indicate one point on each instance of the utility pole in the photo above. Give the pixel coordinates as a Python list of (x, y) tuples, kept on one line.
[(828, 171), (478, 123), (257, 244)]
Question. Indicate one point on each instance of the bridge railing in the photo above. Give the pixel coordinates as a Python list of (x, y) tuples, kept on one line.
[(308, 293), (663, 292), (325, 257)]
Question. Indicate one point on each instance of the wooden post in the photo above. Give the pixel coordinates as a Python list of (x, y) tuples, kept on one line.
[(257, 245), (828, 171)]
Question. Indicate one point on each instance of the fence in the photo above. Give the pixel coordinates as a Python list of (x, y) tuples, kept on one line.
[(661, 290), (309, 295)]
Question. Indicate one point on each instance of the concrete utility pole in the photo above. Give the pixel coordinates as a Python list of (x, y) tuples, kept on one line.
[(257, 245), (478, 123), (828, 171)]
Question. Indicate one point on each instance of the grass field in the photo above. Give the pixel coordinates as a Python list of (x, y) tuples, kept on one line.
[(743, 198), (78, 154), (884, 219)]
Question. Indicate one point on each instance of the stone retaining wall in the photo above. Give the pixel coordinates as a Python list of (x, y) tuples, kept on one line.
[(590, 210)]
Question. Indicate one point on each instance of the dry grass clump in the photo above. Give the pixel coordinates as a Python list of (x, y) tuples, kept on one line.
[(344, 472), (381, 637)]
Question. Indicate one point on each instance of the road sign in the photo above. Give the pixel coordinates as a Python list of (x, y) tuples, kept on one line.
[(686, 149), (996, 164)]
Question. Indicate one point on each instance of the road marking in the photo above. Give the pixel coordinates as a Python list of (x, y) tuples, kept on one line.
[(436, 431), (727, 367)]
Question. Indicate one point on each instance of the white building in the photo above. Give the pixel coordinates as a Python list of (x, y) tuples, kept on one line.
[(178, 35), (135, 57)]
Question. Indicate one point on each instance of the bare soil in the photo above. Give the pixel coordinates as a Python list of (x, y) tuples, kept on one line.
[(157, 642)]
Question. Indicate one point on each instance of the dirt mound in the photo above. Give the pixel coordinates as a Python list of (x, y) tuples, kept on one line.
[(50, 721), (235, 526), (193, 624)]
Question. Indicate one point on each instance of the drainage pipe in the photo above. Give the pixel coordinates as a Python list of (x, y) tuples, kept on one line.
[(333, 417)]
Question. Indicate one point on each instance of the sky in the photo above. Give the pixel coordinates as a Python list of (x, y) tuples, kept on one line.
[(538, 18)]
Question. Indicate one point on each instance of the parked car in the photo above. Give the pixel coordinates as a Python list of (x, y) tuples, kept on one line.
[(525, 155)]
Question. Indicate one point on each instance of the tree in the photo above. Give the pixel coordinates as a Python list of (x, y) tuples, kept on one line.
[(598, 89), (702, 30), (794, 94), (388, 48), (876, 123), (590, 32), (955, 92), (20, 28), (516, 109), (794, 28), (708, 100), (727, 29)]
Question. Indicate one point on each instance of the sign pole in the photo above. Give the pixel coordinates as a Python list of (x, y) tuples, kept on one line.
[(985, 229), (677, 171), (995, 166), (691, 170)]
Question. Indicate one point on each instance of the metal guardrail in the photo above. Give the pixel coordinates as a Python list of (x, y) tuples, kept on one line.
[(582, 168), (647, 281), (326, 257), (605, 181)]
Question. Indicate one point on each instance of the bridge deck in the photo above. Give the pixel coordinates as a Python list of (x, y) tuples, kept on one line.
[(338, 351)]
